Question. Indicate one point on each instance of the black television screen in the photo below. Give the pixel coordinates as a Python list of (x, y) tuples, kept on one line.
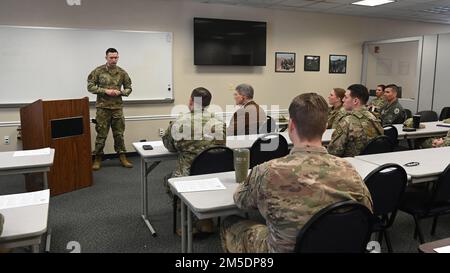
[(229, 42)]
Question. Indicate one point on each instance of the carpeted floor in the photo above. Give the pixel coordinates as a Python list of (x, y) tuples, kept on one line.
[(106, 216)]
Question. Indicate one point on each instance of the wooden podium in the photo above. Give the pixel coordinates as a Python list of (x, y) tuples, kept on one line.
[(62, 125)]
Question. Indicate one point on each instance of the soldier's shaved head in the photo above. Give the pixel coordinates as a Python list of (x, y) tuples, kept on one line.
[(202, 96), (360, 92), (309, 113)]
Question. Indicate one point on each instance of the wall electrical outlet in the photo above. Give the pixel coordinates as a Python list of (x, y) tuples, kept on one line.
[(6, 140), (161, 132)]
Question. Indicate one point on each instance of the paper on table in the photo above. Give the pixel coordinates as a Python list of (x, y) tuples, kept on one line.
[(211, 184), (444, 249), (44, 151), (24, 199)]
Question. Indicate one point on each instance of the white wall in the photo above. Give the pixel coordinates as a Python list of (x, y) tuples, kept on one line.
[(441, 96), (302, 33), (394, 63)]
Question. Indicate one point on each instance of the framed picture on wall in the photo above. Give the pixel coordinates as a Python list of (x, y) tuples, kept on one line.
[(338, 64), (284, 62), (312, 63)]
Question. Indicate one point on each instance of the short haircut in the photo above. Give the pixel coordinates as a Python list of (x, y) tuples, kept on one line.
[(111, 50), (359, 91), (245, 90), (203, 94), (382, 86), (340, 92), (309, 113), (393, 87)]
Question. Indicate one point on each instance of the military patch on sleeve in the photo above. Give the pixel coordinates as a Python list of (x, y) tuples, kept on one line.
[(396, 111)]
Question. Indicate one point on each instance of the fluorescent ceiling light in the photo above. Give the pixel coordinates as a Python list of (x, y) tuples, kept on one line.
[(372, 3)]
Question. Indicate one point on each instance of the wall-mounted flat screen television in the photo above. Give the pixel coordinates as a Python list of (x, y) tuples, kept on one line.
[(229, 42)]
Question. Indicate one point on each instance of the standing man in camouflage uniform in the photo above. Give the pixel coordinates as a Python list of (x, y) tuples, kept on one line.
[(356, 129), (106, 81), (288, 191), (191, 134), (392, 111)]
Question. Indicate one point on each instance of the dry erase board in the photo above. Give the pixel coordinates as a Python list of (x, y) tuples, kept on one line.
[(54, 63)]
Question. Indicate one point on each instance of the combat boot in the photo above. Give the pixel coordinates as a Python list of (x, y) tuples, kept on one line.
[(97, 162), (124, 161)]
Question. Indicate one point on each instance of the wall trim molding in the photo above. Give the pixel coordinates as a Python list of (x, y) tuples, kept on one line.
[(225, 116)]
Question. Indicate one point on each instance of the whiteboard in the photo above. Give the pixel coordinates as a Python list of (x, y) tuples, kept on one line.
[(54, 63)]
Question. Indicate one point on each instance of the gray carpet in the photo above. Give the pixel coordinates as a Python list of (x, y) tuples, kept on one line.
[(106, 216)]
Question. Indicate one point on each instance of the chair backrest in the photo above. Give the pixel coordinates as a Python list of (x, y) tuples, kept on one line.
[(445, 113), (339, 228), (400, 118), (213, 160), (391, 132), (268, 147), (407, 113), (441, 189), (378, 145), (427, 116), (386, 185), (269, 126)]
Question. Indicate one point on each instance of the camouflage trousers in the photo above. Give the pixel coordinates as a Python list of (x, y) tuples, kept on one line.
[(239, 235), (107, 118)]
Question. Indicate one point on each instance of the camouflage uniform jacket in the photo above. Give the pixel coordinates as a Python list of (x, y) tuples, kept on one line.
[(353, 132), (446, 141), (392, 113), (334, 115), (378, 102), (103, 78), (191, 134), (288, 191)]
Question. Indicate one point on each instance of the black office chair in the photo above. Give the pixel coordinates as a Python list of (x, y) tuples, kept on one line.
[(269, 126), (268, 147), (391, 132), (407, 113), (212, 160), (423, 204), (342, 227), (427, 116), (386, 185), (400, 118), (378, 145), (445, 113)]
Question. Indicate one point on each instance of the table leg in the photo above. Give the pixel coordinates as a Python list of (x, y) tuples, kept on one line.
[(183, 226), (35, 248), (45, 181), (189, 231), (48, 240), (144, 190)]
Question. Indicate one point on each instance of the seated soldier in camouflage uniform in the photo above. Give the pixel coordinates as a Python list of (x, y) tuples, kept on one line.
[(193, 133), (377, 103), (357, 128), (336, 111), (425, 143), (392, 111), (288, 191)]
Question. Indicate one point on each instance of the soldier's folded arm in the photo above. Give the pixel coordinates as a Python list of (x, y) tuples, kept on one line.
[(246, 194), (126, 86), (93, 86), (338, 142)]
